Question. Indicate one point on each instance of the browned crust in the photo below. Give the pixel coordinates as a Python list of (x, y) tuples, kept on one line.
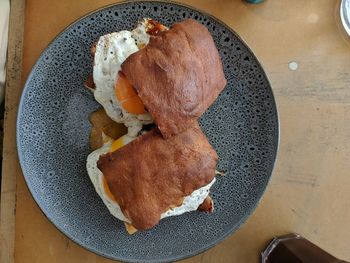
[(178, 75), (207, 205), (93, 49), (155, 28), (152, 174), (89, 83)]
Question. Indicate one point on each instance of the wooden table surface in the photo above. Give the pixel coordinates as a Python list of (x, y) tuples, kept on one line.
[(307, 57)]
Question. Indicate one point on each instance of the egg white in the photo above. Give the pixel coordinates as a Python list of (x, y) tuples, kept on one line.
[(190, 202), (111, 51), (96, 177)]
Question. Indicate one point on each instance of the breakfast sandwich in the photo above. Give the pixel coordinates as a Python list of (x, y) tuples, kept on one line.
[(170, 176), (156, 74), (115, 164)]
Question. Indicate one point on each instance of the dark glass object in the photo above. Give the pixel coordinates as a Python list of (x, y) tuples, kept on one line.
[(293, 248)]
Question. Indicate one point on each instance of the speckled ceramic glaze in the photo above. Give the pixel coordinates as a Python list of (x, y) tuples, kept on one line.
[(53, 134)]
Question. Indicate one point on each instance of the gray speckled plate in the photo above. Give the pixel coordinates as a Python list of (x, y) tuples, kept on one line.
[(53, 133)]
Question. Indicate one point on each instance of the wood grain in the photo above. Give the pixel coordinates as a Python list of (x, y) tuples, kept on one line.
[(310, 187), (10, 166)]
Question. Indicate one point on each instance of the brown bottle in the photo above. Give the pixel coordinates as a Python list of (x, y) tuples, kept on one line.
[(293, 248)]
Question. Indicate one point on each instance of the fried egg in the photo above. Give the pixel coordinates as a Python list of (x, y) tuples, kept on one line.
[(190, 202), (112, 89)]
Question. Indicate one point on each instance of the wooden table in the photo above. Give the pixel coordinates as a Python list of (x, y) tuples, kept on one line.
[(307, 58)]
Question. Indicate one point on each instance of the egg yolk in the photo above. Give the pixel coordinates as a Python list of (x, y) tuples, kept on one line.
[(107, 190), (127, 96), (115, 146)]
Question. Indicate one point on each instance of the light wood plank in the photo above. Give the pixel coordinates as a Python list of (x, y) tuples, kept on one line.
[(10, 166)]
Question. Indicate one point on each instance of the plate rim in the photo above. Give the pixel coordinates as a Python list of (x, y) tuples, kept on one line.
[(209, 244)]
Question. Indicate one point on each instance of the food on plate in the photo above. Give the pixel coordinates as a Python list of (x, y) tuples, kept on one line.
[(190, 202), (156, 183), (178, 75), (157, 81), (207, 205)]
